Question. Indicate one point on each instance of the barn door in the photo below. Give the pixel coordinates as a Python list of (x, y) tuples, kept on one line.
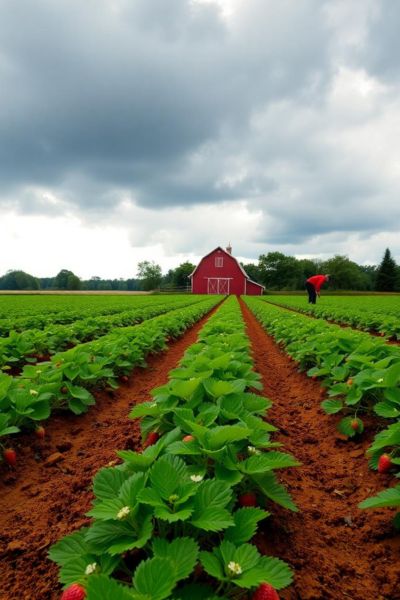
[(213, 286), (223, 286)]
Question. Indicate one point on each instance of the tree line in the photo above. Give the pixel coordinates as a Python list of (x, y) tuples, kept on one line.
[(276, 271)]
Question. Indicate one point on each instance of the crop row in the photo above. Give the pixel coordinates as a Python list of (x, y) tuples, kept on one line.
[(66, 309), (35, 344), (361, 373), (380, 315), (176, 519), (65, 381)]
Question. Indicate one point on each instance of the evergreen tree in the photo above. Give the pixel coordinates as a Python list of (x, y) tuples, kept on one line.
[(386, 273)]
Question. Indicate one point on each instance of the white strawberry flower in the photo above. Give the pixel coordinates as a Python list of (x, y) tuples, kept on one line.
[(197, 478), (123, 513), (253, 450), (33, 392), (91, 568), (380, 380), (234, 568)]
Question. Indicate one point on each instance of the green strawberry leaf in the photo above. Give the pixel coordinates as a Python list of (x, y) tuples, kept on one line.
[(70, 547), (182, 552), (246, 520), (100, 587), (107, 483), (331, 407), (389, 497), (155, 578)]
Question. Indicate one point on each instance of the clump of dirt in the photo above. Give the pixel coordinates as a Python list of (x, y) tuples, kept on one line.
[(335, 549)]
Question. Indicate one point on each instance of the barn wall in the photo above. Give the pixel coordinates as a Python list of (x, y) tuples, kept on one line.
[(253, 289)]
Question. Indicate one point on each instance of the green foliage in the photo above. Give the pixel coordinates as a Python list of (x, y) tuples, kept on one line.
[(149, 274), (176, 499), (19, 280), (386, 275)]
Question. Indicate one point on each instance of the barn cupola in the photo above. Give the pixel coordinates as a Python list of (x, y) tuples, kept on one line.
[(229, 248)]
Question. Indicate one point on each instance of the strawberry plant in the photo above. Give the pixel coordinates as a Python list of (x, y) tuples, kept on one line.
[(68, 379), (161, 514)]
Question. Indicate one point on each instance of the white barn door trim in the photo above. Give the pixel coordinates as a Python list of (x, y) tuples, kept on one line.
[(218, 285)]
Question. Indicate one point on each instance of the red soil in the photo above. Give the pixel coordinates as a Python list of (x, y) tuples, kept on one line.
[(48, 494), (337, 551)]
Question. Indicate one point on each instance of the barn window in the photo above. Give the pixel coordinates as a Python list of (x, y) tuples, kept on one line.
[(219, 261)]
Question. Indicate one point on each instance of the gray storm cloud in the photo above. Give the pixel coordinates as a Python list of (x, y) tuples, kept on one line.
[(171, 104)]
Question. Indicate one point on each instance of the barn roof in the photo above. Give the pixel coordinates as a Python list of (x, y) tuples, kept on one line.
[(235, 259)]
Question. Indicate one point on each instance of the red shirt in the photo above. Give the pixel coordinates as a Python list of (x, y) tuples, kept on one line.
[(317, 281)]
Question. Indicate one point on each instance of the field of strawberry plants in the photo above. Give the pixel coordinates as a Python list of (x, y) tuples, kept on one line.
[(65, 380), (379, 314), (180, 447)]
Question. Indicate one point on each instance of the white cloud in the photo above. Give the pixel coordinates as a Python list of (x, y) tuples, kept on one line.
[(145, 132)]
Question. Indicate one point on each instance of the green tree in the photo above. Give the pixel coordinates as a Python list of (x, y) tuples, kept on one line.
[(386, 275), (308, 268), (19, 280), (279, 272), (73, 282), (67, 280), (180, 277), (149, 274), (253, 271), (344, 274)]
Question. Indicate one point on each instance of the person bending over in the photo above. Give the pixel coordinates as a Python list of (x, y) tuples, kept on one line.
[(313, 286)]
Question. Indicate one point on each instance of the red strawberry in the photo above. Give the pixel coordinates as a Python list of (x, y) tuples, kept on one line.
[(152, 438), (74, 592), (384, 463), (350, 381), (10, 456), (64, 389), (188, 438), (40, 432), (248, 499), (354, 425), (265, 592), (124, 378)]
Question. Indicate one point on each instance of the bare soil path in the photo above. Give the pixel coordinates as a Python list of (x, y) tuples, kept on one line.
[(337, 551), (48, 494)]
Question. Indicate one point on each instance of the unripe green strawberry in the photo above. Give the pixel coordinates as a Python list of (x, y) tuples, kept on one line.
[(188, 438), (40, 432), (10, 456), (384, 463), (74, 592), (265, 592), (151, 439), (248, 499)]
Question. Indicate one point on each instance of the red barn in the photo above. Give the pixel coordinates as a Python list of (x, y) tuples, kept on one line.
[(220, 273)]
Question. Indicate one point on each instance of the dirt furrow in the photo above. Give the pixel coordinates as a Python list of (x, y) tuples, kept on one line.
[(48, 494), (337, 551)]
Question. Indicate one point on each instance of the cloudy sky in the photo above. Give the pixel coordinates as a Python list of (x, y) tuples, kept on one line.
[(159, 129)]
